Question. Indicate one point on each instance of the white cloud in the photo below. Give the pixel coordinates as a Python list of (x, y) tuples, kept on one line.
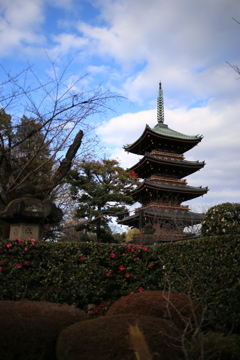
[(67, 43), (19, 24)]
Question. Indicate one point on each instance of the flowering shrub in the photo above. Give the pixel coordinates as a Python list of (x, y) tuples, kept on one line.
[(222, 219), (88, 273)]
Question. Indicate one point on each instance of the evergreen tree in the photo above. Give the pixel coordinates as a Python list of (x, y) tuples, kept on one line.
[(102, 190), (31, 157)]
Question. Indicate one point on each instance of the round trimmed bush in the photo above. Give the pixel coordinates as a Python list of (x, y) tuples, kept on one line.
[(29, 330), (178, 308), (107, 338), (222, 219)]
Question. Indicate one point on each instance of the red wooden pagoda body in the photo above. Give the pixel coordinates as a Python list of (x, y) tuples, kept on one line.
[(162, 168)]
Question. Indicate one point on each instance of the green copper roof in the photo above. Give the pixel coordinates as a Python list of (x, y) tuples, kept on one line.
[(162, 129)]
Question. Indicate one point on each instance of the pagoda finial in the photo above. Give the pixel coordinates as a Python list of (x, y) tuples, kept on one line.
[(160, 106)]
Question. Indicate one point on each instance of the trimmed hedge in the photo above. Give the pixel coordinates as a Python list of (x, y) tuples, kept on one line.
[(29, 330), (206, 269)]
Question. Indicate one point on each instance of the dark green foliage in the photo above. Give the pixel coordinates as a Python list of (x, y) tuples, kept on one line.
[(207, 270), (222, 219), (31, 154), (215, 346), (102, 189)]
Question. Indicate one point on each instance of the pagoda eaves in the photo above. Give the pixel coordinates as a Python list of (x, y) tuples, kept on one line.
[(157, 189), (155, 164), (164, 137)]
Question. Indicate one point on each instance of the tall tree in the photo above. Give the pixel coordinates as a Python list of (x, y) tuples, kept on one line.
[(31, 159), (102, 190), (55, 111)]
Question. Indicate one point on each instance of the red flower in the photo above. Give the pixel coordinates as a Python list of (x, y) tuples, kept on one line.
[(150, 265), (112, 255), (110, 247), (137, 258), (81, 258), (121, 267), (131, 293), (140, 289), (18, 240), (27, 263), (123, 254), (127, 275), (9, 245), (145, 248), (108, 273), (33, 243), (19, 266), (1, 269), (25, 249)]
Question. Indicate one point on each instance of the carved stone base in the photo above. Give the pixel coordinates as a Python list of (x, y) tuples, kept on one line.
[(24, 231)]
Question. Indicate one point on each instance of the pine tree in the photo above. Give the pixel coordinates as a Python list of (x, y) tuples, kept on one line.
[(102, 190)]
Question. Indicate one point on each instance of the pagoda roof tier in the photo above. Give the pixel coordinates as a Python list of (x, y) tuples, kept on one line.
[(179, 191), (150, 164), (162, 137), (185, 218)]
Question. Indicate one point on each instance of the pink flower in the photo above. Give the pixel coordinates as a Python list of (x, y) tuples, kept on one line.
[(123, 254), (137, 258), (18, 240), (112, 255), (121, 267), (108, 273), (140, 289), (19, 266), (81, 258), (131, 293), (25, 249), (33, 243), (9, 245), (1, 269), (110, 247), (150, 265), (127, 275)]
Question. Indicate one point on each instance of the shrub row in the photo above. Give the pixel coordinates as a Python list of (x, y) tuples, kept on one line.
[(207, 270)]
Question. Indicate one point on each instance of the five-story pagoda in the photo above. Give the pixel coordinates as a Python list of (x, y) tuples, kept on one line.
[(163, 189)]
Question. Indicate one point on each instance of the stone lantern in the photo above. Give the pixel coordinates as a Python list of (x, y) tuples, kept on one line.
[(27, 217)]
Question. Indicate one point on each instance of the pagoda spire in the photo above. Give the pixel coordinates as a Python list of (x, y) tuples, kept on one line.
[(160, 106)]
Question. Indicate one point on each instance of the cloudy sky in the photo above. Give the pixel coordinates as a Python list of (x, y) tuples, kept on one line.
[(129, 46)]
